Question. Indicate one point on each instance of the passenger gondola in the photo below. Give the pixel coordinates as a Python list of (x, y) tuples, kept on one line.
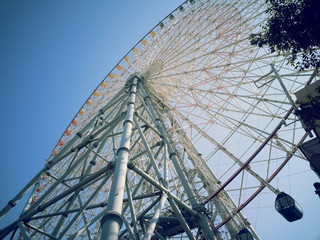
[(288, 207)]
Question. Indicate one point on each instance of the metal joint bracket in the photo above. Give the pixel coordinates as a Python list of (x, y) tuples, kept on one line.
[(12, 203), (79, 134), (41, 208), (111, 165), (127, 121), (172, 154), (112, 216), (130, 165), (200, 208), (95, 144), (123, 148), (160, 143)]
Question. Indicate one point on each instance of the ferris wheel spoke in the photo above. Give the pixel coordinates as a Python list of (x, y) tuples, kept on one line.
[(294, 149), (265, 98), (206, 42), (192, 71), (230, 155), (237, 106), (224, 46), (175, 36), (226, 201)]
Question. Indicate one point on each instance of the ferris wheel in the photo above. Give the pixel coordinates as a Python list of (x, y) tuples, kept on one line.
[(186, 131)]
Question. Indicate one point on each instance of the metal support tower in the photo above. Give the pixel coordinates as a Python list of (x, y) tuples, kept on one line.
[(126, 175)]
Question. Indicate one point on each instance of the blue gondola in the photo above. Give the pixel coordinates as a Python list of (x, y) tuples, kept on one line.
[(288, 207), (244, 234)]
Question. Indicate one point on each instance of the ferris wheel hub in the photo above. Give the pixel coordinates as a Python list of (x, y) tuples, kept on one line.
[(137, 75)]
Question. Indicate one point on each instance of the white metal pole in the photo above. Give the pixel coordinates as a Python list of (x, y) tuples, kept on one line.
[(112, 220)]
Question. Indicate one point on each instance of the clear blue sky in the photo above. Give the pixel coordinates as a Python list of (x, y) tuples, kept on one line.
[(52, 56)]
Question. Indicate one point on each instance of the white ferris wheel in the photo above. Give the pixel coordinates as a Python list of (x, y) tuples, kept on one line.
[(181, 140)]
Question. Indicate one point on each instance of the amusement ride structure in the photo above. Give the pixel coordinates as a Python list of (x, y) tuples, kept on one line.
[(187, 129)]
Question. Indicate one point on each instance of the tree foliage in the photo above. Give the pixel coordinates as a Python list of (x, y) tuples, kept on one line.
[(292, 30)]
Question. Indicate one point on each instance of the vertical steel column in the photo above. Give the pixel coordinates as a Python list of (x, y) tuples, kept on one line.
[(155, 218), (112, 220)]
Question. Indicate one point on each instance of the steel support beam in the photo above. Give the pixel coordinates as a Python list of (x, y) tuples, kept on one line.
[(112, 220), (155, 218)]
